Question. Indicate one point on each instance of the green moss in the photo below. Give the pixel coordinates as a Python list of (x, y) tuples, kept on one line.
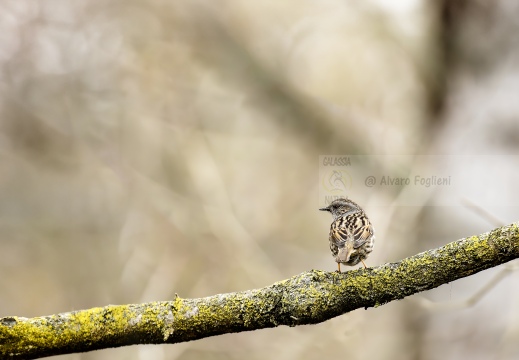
[(307, 298)]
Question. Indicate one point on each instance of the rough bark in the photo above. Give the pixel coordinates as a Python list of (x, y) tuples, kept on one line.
[(308, 298)]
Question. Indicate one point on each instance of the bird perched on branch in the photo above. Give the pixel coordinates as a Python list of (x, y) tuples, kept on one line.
[(351, 234)]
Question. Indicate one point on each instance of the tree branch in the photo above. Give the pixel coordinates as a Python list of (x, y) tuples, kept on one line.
[(309, 298)]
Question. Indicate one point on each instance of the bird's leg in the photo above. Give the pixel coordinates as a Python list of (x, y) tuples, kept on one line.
[(365, 267), (339, 267)]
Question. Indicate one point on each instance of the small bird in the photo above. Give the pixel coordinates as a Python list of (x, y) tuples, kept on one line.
[(351, 234)]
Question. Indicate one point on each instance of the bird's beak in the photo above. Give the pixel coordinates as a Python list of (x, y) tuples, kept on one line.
[(325, 208)]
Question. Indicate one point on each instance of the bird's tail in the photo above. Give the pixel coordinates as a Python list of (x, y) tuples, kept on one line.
[(345, 250)]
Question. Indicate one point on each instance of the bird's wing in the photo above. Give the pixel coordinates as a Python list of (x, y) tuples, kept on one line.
[(341, 242), (355, 228), (340, 234), (362, 231)]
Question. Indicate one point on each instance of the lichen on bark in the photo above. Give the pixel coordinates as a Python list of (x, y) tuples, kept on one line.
[(308, 298)]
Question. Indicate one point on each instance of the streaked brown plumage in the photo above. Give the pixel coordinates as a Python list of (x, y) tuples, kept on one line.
[(351, 234)]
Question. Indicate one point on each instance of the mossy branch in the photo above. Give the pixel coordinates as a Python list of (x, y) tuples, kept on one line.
[(309, 298)]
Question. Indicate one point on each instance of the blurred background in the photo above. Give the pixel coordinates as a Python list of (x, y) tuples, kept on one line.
[(149, 148)]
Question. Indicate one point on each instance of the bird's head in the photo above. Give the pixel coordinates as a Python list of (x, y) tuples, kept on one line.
[(341, 206)]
